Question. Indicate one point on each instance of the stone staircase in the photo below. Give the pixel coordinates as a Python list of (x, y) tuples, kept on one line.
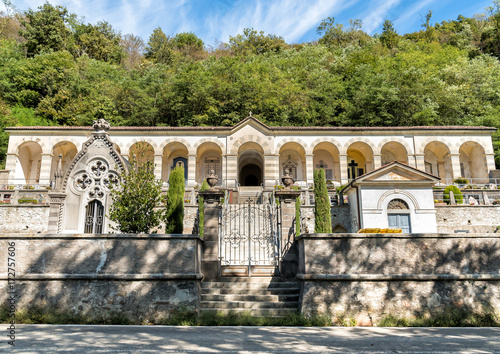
[(262, 296), (246, 193)]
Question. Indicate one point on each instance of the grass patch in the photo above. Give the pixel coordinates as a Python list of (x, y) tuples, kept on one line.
[(451, 318)]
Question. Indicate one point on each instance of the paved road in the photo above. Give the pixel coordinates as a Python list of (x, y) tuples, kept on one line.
[(170, 339)]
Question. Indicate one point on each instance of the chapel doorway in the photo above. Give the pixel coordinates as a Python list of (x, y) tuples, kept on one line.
[(250, 176), (398, 214), (250, 165)]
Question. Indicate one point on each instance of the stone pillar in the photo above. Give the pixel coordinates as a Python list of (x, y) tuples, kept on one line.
[(309, 169), (412, 161), (420, 161), (490, 162), (158, 160), (232, 170), (271, 170), (191, 182), (10, 165), (455, 165), (56, 201), (45, 167), (289, 252), (344, 178), (210, 264), (377, 161)]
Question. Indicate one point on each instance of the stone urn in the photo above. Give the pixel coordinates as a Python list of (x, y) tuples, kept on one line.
[(287, 179), (212, 178)]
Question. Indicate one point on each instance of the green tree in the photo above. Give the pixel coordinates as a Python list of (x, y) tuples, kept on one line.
[(99, 41), (322, 215), (201, 209), (45, 29), (174, 215), (253, 42), (334, 34), (135, 199), (159, 47), (389, 37), (297, 216)]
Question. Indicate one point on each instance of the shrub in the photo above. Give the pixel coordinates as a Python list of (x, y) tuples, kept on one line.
[(459, 198), (174, 215), (323, 219), (27, 201), (461, 180), (297, 216), (134, 202)]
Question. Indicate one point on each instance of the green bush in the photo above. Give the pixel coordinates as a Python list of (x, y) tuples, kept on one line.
[(174, 215), (461, 180), (459, 198), (27, 201), (297, 216), (323, 219)]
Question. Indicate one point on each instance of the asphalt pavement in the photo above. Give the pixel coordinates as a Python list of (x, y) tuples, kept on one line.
[(176, 339)]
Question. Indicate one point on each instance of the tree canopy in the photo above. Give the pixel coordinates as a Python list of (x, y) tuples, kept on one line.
[(56, 69)]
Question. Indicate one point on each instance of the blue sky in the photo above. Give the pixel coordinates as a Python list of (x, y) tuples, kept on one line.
[(294, 20)]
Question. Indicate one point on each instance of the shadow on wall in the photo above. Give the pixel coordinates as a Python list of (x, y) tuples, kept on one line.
[(143, 277), (372, 276)]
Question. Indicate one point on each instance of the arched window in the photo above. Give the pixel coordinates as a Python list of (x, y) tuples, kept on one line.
[(397, 204)]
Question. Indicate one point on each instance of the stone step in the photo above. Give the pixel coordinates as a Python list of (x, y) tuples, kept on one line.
[(267, 279), (247, 305), (254, 312), (262, 286), (224, 291), (250, 298)]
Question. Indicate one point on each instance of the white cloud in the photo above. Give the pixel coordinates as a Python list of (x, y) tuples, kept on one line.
[(378, 15), (407, 18)]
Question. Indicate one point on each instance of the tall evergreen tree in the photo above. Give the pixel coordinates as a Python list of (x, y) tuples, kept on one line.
[(174, 215), (322, 215)]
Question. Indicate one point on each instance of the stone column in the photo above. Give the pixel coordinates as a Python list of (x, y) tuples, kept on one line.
[(420, 161), (309, 169), (344, 178), (10, 165), (45, 166), (210, 264), (158, 160), (191, 182), (56, 201), (377, 161), (271, 170), (289, 253), (232, 170), (490, 162), (412, 161), (455, 165)]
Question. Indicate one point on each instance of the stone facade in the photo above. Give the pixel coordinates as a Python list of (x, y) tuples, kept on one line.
[(24, 218), (370, 275), (470, 218), (145, 277)]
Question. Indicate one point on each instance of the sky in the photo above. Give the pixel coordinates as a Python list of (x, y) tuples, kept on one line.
[(294, 20)]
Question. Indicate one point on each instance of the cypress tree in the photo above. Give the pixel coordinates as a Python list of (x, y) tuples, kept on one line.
[(201, 209), (297, 216), (323, 219), (174, 215)]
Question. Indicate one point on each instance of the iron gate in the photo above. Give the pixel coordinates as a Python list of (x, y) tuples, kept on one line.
[(249, 242)]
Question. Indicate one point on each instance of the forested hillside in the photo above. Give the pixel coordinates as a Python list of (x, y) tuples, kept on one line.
[(57, 70)]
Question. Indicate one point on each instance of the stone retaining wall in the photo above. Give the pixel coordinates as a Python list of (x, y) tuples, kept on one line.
[(368, 276), (473, 218), (24, 218), (144, 277)]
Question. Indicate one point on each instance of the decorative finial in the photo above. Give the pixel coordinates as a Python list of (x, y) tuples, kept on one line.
[(250, 113), (101, 125)]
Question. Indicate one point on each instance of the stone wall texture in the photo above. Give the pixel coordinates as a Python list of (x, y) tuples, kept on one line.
[(145, 277), (368, 276), (24, 218), (474, 218)]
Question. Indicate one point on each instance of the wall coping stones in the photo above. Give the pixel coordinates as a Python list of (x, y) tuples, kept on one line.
[(92, 276), (406, 277), (32, 236), (394, 236)]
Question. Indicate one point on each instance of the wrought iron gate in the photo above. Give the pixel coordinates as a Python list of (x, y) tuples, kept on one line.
[(94, 217), (249, 242)]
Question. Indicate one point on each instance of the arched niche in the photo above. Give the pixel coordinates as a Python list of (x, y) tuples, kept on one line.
[(208, 157), (29, 163), (359, 159), (250, 164), (68, 151), (473, 162), (142, 152), (393, 151), (326, 155), (438, 160), (174, 154), (293, 158)]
